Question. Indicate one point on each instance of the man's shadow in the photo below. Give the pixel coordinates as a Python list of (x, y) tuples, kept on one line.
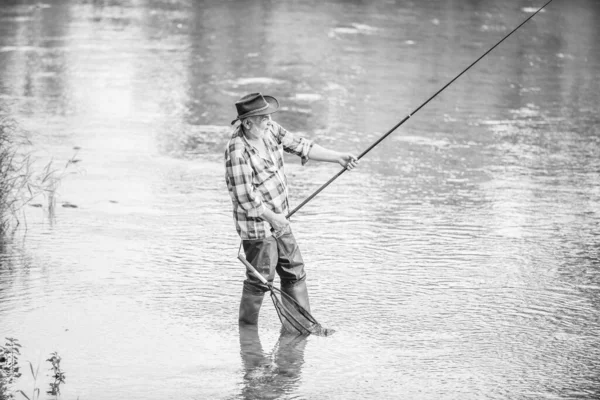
[(269, 376)]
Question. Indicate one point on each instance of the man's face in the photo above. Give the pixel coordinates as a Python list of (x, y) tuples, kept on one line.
[(260, 124)]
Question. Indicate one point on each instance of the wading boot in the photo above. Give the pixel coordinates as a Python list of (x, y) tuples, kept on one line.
[(299, 292), (250, 307)]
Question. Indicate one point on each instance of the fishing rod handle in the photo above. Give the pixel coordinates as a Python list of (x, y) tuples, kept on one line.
[(250, 268)]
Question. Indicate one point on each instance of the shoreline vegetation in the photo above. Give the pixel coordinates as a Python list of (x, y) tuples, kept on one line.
[(10, 372), (22, 181)]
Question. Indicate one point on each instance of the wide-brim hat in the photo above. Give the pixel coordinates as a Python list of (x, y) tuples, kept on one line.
[(255, 104)]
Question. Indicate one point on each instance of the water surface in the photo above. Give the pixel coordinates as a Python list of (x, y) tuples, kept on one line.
[(461, 259)]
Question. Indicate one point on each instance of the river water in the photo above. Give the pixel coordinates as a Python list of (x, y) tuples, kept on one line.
[(460, 261)]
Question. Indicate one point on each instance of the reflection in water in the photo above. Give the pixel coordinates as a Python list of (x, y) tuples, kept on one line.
[(16, 273), (272, 375)]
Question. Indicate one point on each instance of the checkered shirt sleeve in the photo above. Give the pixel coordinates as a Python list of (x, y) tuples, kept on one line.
[(254, 183), (292, 144)]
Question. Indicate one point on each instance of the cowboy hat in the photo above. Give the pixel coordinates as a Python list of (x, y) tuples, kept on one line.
[(255, 104)]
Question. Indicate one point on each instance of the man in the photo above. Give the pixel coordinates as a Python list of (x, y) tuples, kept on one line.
[(258, 189)]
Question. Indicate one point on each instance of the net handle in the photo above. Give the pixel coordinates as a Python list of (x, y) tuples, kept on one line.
[(250, 268)]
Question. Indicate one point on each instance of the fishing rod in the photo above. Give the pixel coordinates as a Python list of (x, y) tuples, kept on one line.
[(309, 198)]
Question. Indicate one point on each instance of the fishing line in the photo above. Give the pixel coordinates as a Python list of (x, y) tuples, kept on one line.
[(309, 198)]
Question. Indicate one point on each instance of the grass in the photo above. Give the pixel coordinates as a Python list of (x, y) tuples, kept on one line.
[(9, 367), (10, 372), (20, 183)]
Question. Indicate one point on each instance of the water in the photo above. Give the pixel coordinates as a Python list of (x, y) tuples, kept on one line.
[(459, 261)]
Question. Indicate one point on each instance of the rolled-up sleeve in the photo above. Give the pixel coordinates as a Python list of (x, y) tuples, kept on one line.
[(293, 144), (239, 179)]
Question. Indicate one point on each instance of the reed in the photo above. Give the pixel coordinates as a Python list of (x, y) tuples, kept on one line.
[(20, 181), (35, 391)]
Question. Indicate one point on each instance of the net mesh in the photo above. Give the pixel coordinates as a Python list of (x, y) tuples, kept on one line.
[(294, 318)]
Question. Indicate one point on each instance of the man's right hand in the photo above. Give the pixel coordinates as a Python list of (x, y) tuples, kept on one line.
[(278, 222)]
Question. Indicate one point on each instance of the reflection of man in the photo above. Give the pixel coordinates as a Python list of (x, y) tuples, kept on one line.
[(270, 376), (258, 188)]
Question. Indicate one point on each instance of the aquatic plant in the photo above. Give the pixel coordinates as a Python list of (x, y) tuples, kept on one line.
[(20, 183), (9, 372), (9, 367), (35, 394), (57, 374)]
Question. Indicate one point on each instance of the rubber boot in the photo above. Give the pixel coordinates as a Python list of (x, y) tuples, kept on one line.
[(298, 292), (250, 307)]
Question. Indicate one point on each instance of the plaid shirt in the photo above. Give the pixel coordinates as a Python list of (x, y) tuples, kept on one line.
[(256, 183)]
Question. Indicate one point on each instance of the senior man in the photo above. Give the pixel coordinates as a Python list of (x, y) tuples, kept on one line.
[(258, 188)]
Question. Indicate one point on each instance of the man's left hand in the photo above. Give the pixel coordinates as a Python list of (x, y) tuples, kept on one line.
[(348, 161)]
